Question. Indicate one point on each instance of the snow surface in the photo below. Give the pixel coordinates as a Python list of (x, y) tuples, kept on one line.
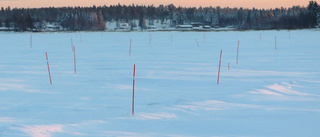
[(269, 93)]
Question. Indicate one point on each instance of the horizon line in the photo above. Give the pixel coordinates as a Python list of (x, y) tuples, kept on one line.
[(87, 6)]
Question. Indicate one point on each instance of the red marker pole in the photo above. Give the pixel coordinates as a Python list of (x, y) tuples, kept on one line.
[(130, 47), (48, 68), (31, 41), (134, 77), (238, 51), (219, 67), (228, 66), (74, 59), (197, 42)]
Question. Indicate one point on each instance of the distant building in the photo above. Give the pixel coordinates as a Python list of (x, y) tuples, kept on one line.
[(152, 27), (50, 26), (206, 27), (184, 27), (124, 26), (197, 25)]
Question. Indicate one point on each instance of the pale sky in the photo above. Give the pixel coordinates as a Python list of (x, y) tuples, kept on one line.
[(185, 3)]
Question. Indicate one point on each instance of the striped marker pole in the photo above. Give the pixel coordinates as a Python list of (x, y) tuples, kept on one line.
[(48, 68), (238, 51), (134, 77), (219, 67)]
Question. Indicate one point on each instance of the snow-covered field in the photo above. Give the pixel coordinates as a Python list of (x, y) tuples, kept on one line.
[(269, 93)]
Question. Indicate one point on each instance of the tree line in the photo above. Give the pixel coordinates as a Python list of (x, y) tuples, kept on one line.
[(95, 18)]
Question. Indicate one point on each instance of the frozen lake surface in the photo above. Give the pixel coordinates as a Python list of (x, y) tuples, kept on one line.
[(270, 92)]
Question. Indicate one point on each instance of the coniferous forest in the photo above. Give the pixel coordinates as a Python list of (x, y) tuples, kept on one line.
[(94, 18)]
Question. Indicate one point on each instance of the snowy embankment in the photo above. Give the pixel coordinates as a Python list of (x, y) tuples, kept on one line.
[(270, 92)]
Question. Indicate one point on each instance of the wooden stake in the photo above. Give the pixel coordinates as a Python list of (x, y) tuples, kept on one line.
[(74, 59), (31, 41), (275, 43), (48, 68), (134, 77), (219, 67), (260, 36), (71, 44), (197, 42), (149, 39), (289, 35), (238, 51), (130, 47)]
